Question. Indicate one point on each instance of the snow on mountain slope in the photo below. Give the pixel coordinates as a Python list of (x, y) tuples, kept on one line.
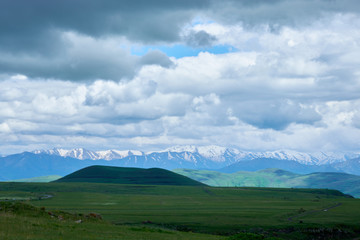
[(217, 153), (179, 149), (317, 158), (213, 152), (81, 153), (203, 154), (116, 154)]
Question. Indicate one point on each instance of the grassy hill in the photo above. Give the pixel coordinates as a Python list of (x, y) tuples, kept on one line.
[(347, 183), (106, 174)]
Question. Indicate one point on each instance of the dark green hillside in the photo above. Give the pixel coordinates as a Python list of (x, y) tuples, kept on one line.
[(106, 174)]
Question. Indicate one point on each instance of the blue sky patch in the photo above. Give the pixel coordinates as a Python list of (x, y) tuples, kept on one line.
[(179, 51)]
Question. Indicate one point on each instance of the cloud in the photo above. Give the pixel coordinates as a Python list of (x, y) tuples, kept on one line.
[(277, 115), (35, 26), (60, 40), (156, 57), (278, 13), (356, 120), (84, 40), (289, 79), (33, 22), (199, 39), (84, 58)]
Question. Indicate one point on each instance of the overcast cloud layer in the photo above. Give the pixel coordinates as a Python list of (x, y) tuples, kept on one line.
[(75, 74)]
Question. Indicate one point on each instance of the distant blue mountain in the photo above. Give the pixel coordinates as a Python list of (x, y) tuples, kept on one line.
[(28, 165), (351, 166)]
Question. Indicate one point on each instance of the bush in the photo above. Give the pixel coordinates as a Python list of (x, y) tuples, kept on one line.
[(251, 236), (246, 236)]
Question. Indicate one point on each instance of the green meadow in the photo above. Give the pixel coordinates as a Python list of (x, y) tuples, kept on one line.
[(23, 221), (178, 212)]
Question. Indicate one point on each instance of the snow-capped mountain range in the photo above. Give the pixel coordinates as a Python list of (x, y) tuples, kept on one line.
[(213, 154), (62, 161)]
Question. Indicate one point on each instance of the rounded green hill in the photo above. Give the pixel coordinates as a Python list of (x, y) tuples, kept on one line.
[(122, 175)]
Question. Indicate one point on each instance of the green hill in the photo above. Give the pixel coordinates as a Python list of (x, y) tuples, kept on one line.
[(347, 183), (106, 174)]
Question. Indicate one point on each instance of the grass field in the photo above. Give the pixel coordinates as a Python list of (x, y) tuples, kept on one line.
[(286, 213), (20, 221)]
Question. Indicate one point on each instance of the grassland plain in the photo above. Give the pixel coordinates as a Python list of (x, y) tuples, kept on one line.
[(286, 213)]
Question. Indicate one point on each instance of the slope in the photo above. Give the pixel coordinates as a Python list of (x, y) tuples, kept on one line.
[(48, 178), (347, 183), (288, 165), (107, 174)]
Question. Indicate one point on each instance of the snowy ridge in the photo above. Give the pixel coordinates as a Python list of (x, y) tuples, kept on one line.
[(317, 158), (116, 154), (213, 154), (82, 154)]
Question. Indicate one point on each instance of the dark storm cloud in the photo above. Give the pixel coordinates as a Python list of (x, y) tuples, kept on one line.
[(85, 61), (27, 25), (70, 67)]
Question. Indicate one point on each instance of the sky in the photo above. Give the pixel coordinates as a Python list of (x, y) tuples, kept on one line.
[(253, 74)]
